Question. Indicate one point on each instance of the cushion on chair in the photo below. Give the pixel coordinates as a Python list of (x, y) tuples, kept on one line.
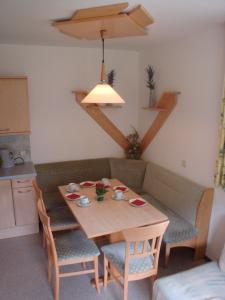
[(176, 192), (53, 200), (74, 245), (115, 253), (128, 171), (222, 260), (178, 229), (61, 217), (205, 282)]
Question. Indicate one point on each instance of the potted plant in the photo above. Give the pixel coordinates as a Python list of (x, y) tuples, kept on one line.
[(111, 77), (100, 191), (151, 85), (134, 149)]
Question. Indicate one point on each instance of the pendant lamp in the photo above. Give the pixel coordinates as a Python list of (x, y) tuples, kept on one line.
[(103, 93)]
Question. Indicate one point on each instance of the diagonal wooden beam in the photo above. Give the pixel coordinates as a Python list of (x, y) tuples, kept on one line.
[(95, 112), (167, 103)]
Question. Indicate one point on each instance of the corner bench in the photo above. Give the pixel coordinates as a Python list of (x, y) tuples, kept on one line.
[(187, 204)]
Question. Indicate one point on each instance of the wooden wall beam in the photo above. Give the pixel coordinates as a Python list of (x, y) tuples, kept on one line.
[(95, 112), (167, 101)]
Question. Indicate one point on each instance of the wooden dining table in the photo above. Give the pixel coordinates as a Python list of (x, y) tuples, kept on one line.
[(110, 217)]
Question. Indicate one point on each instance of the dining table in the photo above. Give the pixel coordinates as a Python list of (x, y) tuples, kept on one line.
[(109, 217)]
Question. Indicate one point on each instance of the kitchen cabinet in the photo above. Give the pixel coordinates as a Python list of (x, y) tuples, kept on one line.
[(7, 219), (18, 212), (25, 206), (14, 113)]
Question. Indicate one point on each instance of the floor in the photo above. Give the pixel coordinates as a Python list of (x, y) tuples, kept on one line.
[(23, 274)]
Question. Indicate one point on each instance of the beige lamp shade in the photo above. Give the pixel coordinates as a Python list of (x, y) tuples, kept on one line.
[(103, 93)]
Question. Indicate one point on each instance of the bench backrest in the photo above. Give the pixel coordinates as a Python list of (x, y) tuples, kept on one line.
[(51, 175), (176, 192)]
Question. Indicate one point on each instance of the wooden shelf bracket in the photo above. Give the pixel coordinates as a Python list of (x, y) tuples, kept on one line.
[(166, 104), (103, 121), (164, 107)]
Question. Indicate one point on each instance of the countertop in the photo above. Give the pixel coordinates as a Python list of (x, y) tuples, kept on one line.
[(18, 171)]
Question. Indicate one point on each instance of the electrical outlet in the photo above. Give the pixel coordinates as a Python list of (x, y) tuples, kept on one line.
[(183, 163)]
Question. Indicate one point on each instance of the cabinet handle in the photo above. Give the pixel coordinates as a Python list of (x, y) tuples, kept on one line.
[(22, 181), (23, 192), (5, 129)]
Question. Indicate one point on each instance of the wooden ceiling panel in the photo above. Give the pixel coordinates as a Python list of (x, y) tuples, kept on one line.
[(87, 23), (100, 11), (115, 26)]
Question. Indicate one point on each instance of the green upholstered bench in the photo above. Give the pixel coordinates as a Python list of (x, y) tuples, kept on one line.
[(187, 204)]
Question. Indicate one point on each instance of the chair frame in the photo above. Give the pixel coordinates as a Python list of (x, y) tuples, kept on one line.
[(143, 235), (39, 194), (53, 258)]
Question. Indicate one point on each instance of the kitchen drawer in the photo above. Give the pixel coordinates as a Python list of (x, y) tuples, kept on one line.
[(25, 206), (20, 183)]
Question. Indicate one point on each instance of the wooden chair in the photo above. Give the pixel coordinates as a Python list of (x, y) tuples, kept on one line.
[(67, 248), (137, 257), (60, 218)]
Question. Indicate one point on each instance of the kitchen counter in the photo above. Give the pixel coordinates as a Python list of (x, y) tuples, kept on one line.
[(18, 171)]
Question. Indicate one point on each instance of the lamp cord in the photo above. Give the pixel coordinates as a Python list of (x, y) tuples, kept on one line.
[(103, 75), (103, 45)]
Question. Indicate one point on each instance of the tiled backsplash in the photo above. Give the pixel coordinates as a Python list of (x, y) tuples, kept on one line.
[(17, 144)]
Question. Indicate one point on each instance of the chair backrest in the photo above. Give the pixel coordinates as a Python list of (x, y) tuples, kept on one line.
[(38, 194), (144, 241), (45, 220)]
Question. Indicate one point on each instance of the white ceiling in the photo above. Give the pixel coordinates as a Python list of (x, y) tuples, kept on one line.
[(29, 21)]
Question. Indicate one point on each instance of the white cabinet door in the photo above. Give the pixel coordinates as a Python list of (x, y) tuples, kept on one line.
[(25, 206), (7, 219)]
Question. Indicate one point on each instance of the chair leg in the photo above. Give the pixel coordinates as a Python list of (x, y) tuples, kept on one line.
[(106, 265), (96, 274), (167, 255), (125, 289), (49, 270), (56, 293)]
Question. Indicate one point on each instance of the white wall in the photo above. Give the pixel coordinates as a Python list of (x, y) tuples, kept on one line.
[(61, 130), (195, 66)]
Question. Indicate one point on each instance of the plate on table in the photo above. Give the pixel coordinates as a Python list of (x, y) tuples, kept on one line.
[(121, 188), (87, 184), (72, 196), (137, 202)]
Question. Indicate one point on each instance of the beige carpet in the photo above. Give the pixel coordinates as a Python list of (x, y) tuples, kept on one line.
[(23, 274)]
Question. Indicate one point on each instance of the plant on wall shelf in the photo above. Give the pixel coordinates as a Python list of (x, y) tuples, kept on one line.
[(151, 85), (134, 149), (111, 77)]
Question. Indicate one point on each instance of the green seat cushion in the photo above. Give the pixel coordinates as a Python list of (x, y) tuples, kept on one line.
[(115, 253), (178, 229), (205, 282), (53, 201), (61, 217), (74, 245), (128, 171)]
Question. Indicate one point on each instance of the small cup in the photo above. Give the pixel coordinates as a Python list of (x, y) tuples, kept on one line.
[(72, 187), (84, 200), (118, 195), (106, 181)]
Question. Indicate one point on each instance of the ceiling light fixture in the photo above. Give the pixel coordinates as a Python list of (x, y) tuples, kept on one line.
[(103, 93)]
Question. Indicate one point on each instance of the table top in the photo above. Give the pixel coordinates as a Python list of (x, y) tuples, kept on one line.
[(111, 216)]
